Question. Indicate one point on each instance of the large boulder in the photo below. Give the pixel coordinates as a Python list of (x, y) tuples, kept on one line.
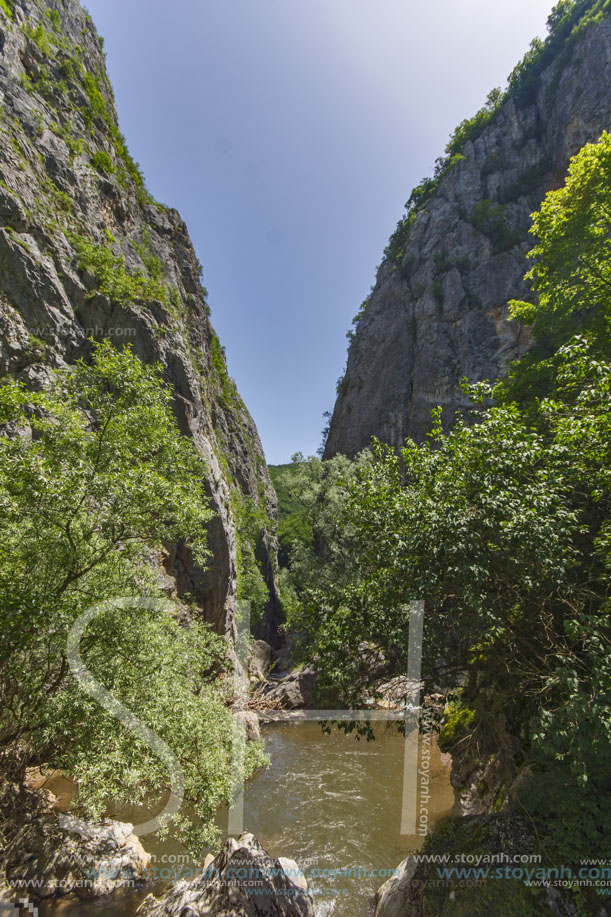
[(242, 881), (259, 660), (294, 691), (249, 721), (418, 889), (394, 897)]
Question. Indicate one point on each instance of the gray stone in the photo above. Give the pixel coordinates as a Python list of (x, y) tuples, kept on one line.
[(249, 720), (242, 881), (46, 860), (394, 897), (259, 660), (294, 691), (413, 890)]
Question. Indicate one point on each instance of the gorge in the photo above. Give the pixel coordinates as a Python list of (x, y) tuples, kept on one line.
[(131, 470)]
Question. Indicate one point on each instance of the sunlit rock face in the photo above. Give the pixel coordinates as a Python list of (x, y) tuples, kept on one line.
[(86, 252), (439, 313)]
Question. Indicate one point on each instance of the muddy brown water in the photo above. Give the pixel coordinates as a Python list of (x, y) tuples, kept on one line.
[(329, 802)]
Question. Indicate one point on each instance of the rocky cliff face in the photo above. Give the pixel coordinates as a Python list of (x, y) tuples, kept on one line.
[(86, 252), (438, 311)]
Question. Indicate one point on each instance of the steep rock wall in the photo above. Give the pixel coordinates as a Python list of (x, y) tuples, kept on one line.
[(86, 252), (438, 311)]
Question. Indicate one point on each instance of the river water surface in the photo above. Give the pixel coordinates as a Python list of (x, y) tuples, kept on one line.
[(330, 802)]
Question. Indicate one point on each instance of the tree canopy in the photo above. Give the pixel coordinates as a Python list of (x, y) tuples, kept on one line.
[(95, 478)]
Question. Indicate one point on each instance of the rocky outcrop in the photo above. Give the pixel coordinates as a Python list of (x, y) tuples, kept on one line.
[(242, 881), (249, 721), (438, 311), (44, 855), (295, 691), (260, 660), (86, 252)]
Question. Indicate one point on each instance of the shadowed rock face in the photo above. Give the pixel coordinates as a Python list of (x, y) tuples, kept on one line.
[(71, 201), (440, 313)]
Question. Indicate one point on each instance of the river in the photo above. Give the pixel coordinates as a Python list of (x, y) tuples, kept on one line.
[(330, 802)]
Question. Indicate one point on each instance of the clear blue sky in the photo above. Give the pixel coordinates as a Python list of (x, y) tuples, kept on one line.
[(289, 133)]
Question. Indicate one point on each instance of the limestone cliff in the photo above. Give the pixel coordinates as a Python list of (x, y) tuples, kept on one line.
[(438, 311), (86, 252)]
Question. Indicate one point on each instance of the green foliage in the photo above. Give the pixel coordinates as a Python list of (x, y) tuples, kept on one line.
[(112, 278), (40, 39), (8, 8), (490, 219), (99, 108), (76, 145), (217, 355), (502, 528), (489, 529), (228, 389), (289, 598), (98, 480), (566, 24), (151, 261), (97, 102), (357, 318), (61, 199), (67, 69), (115, 390), (457, 722), (102, 162), (316, 547), (571, 274), (471, 128), (395, 249), (524, 78), (55, 19), (132, 168), (251, 524), (293, 522), (467, 131)]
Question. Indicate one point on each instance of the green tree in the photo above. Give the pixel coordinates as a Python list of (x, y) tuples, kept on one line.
[(571, 276), (503, 530), (94, 479)]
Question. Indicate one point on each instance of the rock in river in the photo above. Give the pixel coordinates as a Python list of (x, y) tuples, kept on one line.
[(242, 881)]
